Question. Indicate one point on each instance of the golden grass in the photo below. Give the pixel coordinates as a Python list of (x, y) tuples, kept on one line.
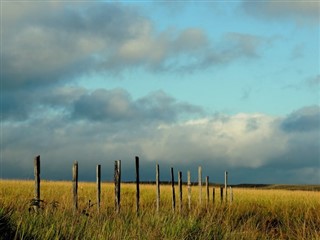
[(254, 213)]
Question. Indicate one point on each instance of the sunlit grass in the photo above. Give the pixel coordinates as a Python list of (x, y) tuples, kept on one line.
[(254, 213)]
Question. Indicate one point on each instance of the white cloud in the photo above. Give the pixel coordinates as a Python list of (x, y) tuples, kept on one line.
[(233, 140)]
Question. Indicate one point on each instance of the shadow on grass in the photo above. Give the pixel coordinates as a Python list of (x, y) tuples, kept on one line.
[(8, 230)]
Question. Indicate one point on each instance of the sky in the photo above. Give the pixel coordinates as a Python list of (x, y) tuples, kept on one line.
[(227, 85)]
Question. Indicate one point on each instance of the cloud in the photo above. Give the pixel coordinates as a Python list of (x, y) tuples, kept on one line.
[(301, 12), (301, 129), (105, 105), (298, 52), (231, 47), (225, 138), (61, 41), (314, 82), (46, 44), (305, 119), (22, 104), (246, 44), (246, 144), (154, 50), (117, 105)]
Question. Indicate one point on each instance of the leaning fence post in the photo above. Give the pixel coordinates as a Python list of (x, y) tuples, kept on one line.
[(189, 190), (37, 182), (173, 192), (158, 186), (200, 184), (226, 184), (98, 173), (75, 185), (117, 183), (207, 191), (137, 185), (180, 190)]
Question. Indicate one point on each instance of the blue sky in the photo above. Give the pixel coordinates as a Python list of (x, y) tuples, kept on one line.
[(224, 84)]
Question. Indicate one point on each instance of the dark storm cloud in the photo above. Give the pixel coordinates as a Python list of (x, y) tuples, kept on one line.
[(301, 131), (304, 119), (16, 105), (22, 104), (48, 42)]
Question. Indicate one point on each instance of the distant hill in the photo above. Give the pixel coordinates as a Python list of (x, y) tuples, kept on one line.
[(280, 186), (292, 187)]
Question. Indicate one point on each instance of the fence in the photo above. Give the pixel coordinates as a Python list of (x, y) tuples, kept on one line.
[(117, 187)]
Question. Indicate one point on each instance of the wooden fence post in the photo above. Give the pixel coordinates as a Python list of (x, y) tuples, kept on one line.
[(117, 184), (221, 194), (189, 191), (207, 192), (180, 190), (226, 185), (98, 173), (231, 195), (158, 186), (200, 184), (75, 185), (173, 192), (36, 183), (213, 195), (137, 185)]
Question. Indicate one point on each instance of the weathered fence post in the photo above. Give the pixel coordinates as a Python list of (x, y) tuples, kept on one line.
[(75, 185), (226, 185), (189, 191), (221, 194), (36, 183), (207, 192), (180, 190), (231, 195), (98, 173), (137, 185), (158, 186), (200, 184), (117, 184), (173, 192), (213, 194)]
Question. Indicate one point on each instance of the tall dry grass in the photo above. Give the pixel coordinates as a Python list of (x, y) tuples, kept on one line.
[(254, 214)]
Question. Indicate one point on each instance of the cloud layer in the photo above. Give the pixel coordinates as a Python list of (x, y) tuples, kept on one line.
[(64, 42), (105, 125), (48, 46)]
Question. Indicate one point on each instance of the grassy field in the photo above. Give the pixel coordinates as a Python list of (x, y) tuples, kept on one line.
[(254, 214)]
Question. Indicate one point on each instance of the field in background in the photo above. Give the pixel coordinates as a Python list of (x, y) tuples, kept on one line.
[(254, 213)]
